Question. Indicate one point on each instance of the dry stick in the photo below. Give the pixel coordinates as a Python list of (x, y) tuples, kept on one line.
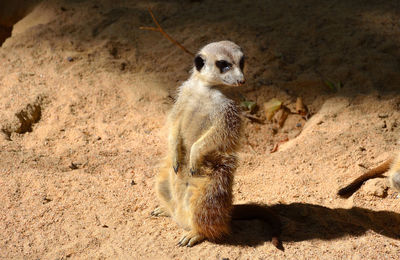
[(251, 146), (160, 29)]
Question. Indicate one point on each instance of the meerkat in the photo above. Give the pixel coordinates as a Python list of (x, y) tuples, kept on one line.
[(194, 185), (394, 173), (391, 165)]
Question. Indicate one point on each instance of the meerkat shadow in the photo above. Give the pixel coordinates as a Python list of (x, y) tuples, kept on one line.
[(250, 233), (302, 221)]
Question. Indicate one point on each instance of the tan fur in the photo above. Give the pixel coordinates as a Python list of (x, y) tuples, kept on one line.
[(394, 173), (204, 135), (194, 185)]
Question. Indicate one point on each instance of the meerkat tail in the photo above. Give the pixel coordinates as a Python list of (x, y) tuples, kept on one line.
[(254, 211), (357, 183)]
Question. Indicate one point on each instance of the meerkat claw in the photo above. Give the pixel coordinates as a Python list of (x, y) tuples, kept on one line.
[(194, 241), (183, 241), (176, 167), (190, 240), (159, 212)]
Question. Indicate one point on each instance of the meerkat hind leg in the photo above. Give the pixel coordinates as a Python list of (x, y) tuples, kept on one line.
[(190, 239), (164, 194), (160, 212)]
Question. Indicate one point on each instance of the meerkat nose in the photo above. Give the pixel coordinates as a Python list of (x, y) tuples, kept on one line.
[(241, 82)]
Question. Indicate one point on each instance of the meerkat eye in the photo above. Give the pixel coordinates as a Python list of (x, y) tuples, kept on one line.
[(241, 63), (223, 65), (198, 62)]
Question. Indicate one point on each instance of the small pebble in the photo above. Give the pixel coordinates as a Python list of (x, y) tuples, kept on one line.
[(70, 59), (46, 200), (73, 166), (375, 187), (383, 115), (122, 66)]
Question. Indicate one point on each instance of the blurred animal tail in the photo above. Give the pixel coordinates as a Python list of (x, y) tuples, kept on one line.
[(357, 183)]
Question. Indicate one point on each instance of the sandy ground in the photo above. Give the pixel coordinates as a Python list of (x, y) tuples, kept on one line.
[(84, 96)]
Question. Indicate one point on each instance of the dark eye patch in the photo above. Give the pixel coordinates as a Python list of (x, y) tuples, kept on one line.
[(198, 62), (241, 63), (223, 65)]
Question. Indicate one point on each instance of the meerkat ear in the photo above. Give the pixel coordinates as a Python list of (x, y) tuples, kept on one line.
[(198, 62)]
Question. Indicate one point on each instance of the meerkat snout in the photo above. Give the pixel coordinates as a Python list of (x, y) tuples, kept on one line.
[(241, 82)]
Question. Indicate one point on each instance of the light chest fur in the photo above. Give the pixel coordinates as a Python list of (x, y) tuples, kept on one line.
[(197, 109)]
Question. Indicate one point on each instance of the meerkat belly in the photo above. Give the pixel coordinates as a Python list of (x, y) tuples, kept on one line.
[(188, 190), (196, 120)]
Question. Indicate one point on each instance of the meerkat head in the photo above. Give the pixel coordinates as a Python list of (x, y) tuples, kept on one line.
[(220, 63)]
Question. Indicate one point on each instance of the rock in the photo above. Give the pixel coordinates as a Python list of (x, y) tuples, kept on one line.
[(73, 166), (376, 187), (23, 119), (383, 115)]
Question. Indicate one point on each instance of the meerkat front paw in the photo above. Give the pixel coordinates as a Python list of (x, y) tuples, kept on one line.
[(193, 168), (193, 163), (175, 165), (190, 239), (175, 162)]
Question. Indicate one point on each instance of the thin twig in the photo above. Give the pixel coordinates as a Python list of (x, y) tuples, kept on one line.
[(253, 118), (250, 145), (252, 148), (160, 29), (149, 28)]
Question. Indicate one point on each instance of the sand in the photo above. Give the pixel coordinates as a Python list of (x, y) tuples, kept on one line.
[(84, 95)]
